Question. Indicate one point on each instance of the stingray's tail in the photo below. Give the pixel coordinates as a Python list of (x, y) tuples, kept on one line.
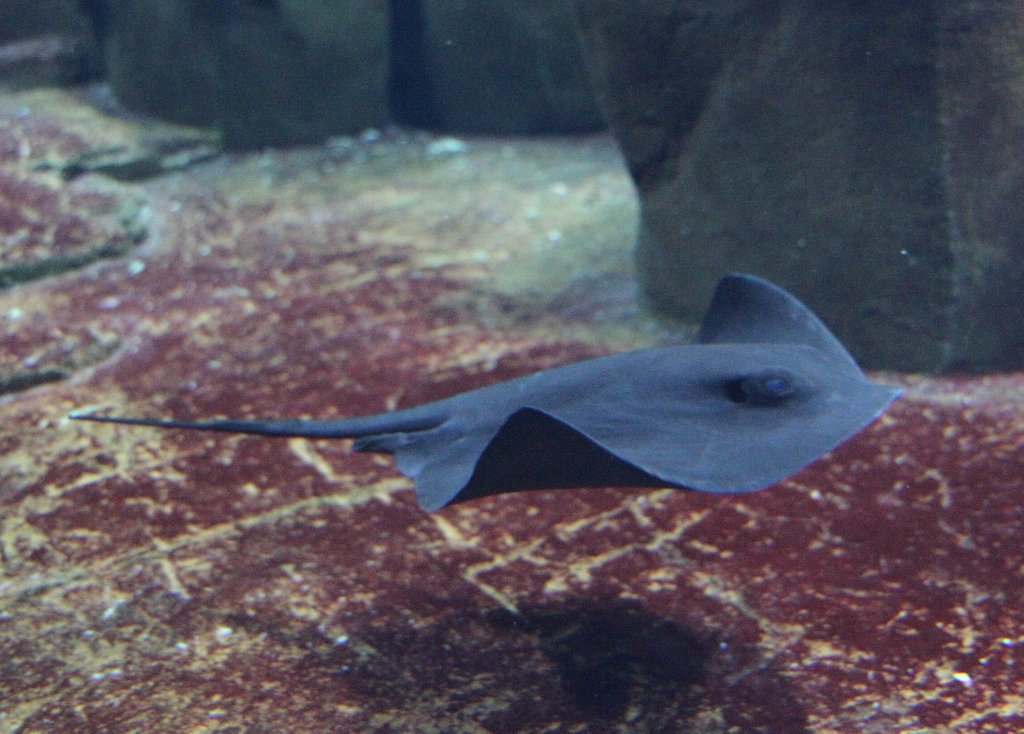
[(401, 421)]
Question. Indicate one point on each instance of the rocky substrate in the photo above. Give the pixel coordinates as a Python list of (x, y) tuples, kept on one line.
[(167, 581)]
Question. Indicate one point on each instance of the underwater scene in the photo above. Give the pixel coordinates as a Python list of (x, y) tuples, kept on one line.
[(485, 367)]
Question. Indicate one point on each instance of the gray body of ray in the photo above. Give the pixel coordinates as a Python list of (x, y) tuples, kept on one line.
[(765, 390)]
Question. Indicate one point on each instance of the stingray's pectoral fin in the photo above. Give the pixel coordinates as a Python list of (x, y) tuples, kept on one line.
[(439, 460), (385, 443), (412, 451), (440, 481), (531, 450)]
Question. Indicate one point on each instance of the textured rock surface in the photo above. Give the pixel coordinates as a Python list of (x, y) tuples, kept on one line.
[(181, 582), (53, 217), (863, 155), (47, 224)]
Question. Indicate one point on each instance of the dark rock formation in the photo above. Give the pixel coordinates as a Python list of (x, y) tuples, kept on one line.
[(20, 19), (502, 67), (44, 42), (264, 73), (865, 155), (299, 71)]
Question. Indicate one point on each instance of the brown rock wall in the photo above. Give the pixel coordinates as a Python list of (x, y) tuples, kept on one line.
[(863, 155)]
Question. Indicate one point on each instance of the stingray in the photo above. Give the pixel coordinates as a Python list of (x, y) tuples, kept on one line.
[(765, 390)]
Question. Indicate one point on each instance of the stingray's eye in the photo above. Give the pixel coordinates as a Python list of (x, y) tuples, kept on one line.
[(763, 388)]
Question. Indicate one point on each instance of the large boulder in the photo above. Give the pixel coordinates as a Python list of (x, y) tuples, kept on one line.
[(297, 71), (292, 71), (867, 156), (47, 42)]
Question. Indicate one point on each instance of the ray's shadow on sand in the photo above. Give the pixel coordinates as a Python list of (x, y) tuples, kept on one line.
[(609, 666)]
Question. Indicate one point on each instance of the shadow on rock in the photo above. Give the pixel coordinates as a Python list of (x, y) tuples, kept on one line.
[(611, 658), (611, 666)]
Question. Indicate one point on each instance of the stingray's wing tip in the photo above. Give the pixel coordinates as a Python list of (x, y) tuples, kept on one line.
[(433, 493), (430, 505), (436, 489), (885, 396)]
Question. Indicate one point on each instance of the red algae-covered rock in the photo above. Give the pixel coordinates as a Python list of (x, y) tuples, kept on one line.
[(26, 137), (54, 218), (163, 581), (48, 226)]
